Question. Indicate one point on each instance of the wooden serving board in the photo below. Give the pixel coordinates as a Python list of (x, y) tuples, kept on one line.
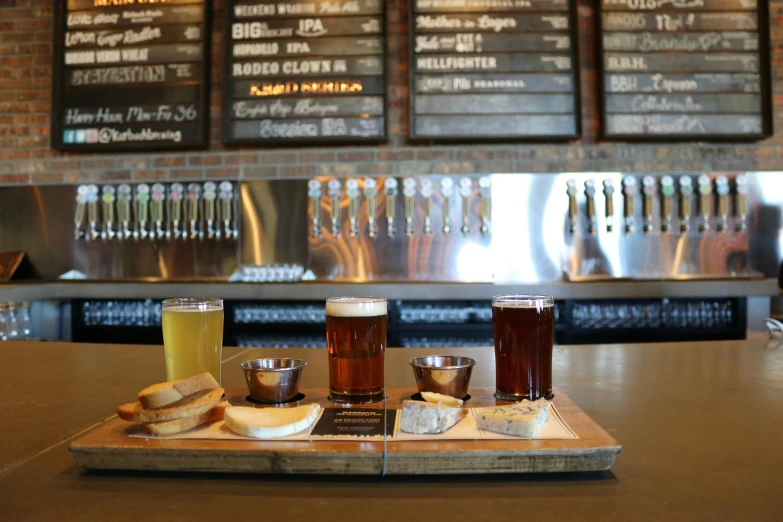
[(110, 447)]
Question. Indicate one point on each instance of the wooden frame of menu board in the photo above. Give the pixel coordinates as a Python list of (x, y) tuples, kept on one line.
[(573, 34), (765, 88), (377, 82), (159, 104)]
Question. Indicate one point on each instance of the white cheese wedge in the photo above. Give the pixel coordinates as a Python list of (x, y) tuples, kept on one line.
[(270, 423), (424, 417), (523, 419), (439, 398)]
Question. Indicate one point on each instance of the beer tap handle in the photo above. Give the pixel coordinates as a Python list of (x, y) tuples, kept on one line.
[(391, 200), (156, 211), (227, 210), (465, 191), (213, 232), (92, 213), (686, 192), (335, 192), (705, 192), (227, 214), (176, 201), (446, 190), (740, 223), (124, 197), (667, 192), (370, 194), (426, 196), (592, 227), (78, 217), (354, 201), (142, 211), (722, 188), (573, 209), (409, 192), (609, 204), (314, 192), (107, 210), (210, 211), (649, 191), (485, 192), (194, 211), (629, 212)]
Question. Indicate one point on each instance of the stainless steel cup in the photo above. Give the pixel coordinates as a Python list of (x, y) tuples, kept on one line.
[(444, 374), (273, 380)]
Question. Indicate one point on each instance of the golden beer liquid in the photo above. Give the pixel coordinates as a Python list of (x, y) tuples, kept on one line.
[(193, 341)]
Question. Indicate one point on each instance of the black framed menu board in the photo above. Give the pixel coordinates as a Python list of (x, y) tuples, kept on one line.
[(685, 69), (130, 75), (304, 71), (494, 70)]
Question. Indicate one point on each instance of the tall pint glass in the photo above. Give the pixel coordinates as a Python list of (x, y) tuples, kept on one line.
[(524, 330), (192, 337), (356, 342)]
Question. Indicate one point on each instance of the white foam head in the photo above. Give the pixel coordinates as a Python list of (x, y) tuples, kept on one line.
[(355, 306), (523, 301)]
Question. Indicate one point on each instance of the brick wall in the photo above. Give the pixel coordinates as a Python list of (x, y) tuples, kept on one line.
[(25, 157)]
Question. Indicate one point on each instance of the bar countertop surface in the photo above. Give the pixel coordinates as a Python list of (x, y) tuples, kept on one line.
[(701, 425)]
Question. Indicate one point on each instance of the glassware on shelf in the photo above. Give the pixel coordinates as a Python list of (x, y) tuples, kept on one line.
[(12, 327), (3, 322), (24, 321)]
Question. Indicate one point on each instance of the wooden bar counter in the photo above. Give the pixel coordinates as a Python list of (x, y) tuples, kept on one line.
[(701, 425)]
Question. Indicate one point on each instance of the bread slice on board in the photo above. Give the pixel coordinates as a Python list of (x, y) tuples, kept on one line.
[(194, 404), (165, 393), (172, 427)]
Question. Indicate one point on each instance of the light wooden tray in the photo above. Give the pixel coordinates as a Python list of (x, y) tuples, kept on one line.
[(110, 447)]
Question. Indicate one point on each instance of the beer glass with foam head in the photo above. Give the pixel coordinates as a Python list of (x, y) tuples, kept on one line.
[(356, 342), (524, 330), (192, 337)]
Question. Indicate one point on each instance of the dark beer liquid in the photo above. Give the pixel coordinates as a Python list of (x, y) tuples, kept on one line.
[(523, 350), (356, 347)]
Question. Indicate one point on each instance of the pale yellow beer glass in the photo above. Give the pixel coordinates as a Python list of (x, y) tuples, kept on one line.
[(192, 337)]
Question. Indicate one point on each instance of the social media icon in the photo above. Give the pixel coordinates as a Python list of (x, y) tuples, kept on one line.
[(81, 136), (68, 136), (92, 135)]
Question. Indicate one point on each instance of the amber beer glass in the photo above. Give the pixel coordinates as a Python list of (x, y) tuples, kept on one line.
[(356, 342), (192, 337), (524, 330)]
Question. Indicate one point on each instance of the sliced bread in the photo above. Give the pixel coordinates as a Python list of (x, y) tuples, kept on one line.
[(193, 404), (166, 393), (172, 427)]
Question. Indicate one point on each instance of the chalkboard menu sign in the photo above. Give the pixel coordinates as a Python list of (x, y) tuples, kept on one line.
[(494, 69), (131, 75), (304, 71), (685, 69)]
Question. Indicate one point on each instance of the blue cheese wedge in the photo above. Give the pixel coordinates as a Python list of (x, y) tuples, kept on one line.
[(523, 419), (426, 418)]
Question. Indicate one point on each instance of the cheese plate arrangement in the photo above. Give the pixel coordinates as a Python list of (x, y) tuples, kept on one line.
[(198, 426)]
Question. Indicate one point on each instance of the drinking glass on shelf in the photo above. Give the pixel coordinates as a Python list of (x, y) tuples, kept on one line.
[(24, 321), (12, 327)]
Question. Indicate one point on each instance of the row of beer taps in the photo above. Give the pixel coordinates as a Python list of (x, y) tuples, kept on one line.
[(160, 212), (370, 189), (706, 191)]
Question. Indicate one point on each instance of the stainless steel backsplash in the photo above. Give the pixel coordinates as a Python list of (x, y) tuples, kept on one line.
[(528, 236)]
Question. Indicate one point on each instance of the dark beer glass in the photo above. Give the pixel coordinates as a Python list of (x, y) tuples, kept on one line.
[(524, 330), (356, 342)]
